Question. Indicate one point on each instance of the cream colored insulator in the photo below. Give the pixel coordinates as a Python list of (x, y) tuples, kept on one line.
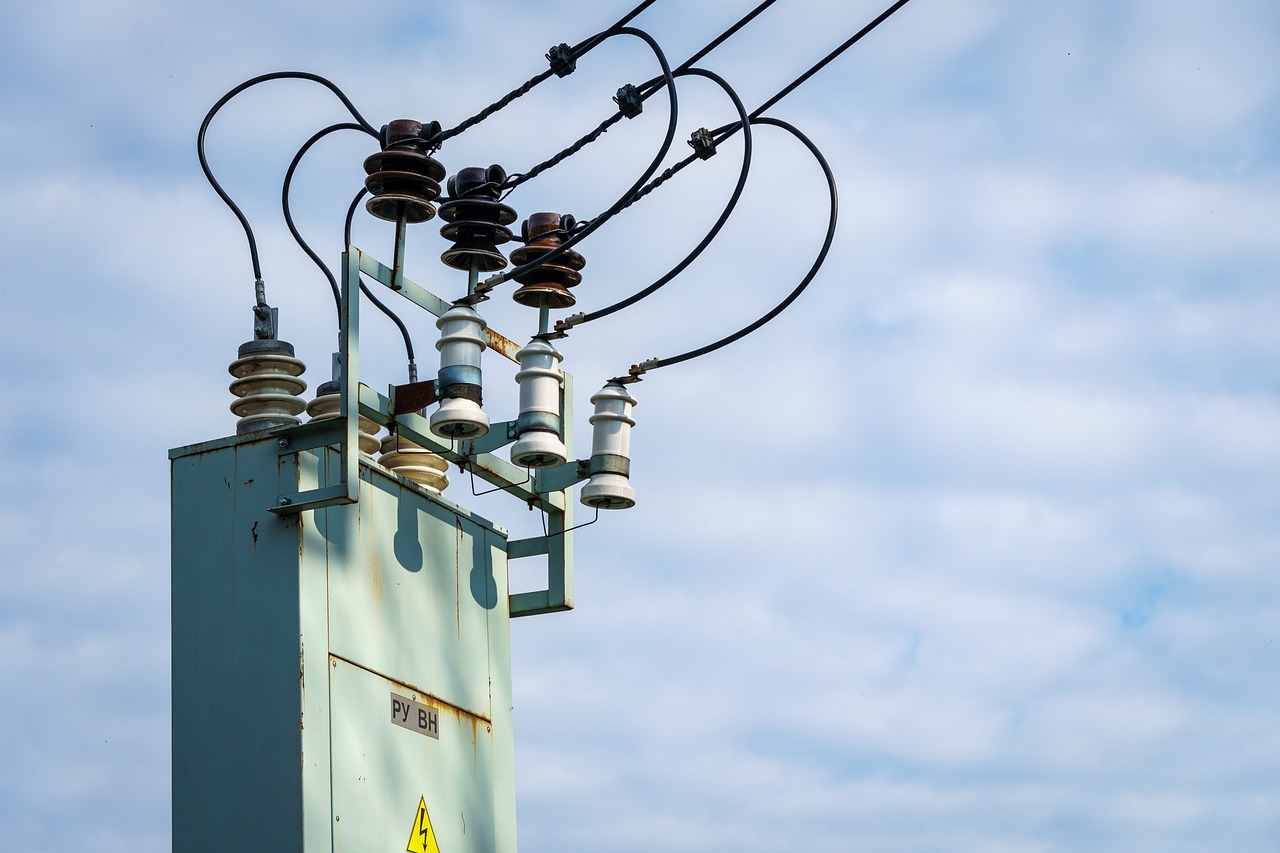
[(538, 427), (326, 404), (266, 386), (461, 344), (415, 463), (610, 463)]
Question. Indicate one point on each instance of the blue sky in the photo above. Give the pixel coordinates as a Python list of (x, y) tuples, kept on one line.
[(972, 549)]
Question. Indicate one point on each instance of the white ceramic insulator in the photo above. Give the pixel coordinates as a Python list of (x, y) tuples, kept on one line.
[(326, 406), (540, 381), (461, 344), (414, 462), (267, 389), (611, 436)]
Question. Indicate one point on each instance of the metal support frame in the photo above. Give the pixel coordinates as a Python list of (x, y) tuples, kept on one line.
[(547, 490)]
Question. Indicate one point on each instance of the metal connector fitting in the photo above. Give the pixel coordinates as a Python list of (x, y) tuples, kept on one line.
[(629, 101), (562, 60), (702, 143)]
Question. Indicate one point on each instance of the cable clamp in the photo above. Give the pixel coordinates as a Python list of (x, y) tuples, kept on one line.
[(702, 143), (629, 101), (266, 322), (563, 325), (562, 60)]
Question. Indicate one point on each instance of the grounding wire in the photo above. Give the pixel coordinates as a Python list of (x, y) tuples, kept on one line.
[(577, 52), (595, 223), (654, 364), (208, 173), (715, 229), (377, 303)]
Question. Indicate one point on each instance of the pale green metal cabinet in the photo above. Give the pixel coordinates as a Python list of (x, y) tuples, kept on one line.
[(335, 668)]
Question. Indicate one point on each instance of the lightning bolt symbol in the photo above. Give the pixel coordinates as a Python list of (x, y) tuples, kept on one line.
[(425, 832)]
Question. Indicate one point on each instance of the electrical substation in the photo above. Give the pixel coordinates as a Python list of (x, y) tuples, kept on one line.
[(341, 627)]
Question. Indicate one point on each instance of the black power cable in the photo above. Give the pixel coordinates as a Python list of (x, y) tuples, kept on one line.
[(519, 178), (715, 229), (581, 48), (575, 53), (208, 173), (654, 364), (494, 281), (713, 44), (288, 212), (822, 63), (650, 88), (719, 135), (346, 241)]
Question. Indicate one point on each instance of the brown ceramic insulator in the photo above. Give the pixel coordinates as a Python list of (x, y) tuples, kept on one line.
[(547, 284), (477, 221), (402, 176)]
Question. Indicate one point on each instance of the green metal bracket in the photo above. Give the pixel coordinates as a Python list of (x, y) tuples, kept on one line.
[(546, 491), (341, 431)]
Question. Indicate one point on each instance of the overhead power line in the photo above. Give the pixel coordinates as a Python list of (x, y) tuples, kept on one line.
[(854, 39)]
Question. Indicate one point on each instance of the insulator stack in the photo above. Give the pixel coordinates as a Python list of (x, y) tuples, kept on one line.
[(539, 427), (325, 406), (415, 463), (460, 381), (547, 284), (266, 386), (477, 221), (610, 464), (403, 178)]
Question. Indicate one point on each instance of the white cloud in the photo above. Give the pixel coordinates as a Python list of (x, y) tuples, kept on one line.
[(971, 549)]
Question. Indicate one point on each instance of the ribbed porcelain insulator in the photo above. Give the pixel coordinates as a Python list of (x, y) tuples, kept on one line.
[(539, 428), (611, 449), (415, 463), (325, 406), (266, 386), (461, 344)]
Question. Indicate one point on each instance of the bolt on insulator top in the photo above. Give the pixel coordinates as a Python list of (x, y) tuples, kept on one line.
[(266, 386), (402, 176), (459, 381), (547, 284), (610, 464), (325, 406), (539, 427), (477, 221)]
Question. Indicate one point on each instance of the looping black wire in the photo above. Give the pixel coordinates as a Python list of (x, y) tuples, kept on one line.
[(820, 64), (288, 212), (589, 44), (654, 364), (646, 87), (377, 303), (204, 127), (719, 223), (622, 201)]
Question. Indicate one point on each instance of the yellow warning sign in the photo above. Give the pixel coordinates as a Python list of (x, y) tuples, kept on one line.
[(423, 838)]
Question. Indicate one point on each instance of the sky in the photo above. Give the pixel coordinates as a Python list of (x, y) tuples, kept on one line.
[(973, 548)]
